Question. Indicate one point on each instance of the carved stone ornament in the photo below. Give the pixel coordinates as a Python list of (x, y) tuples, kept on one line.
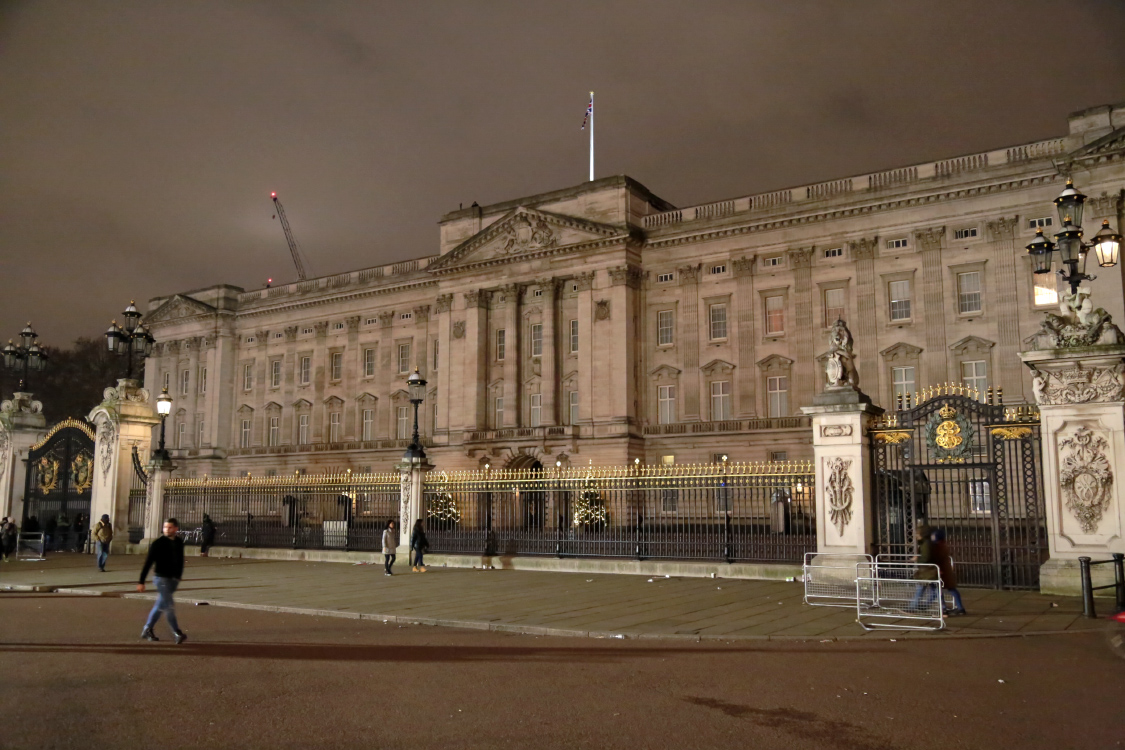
[(840, 365), (404, 502), (628, 275), (321, 328), (386, 318), (19, 403), (444, 303), (458, 329), (525, 234), (835, 430), (352, 322), (1079, 385), (601, 310), (422, 314), (1086, 477), (125, 390), (1078, 323), (5, 444), (107, 438), (839, 490), (290, 333)]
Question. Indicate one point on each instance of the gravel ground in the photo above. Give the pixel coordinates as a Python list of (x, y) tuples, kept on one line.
[(75, 674)]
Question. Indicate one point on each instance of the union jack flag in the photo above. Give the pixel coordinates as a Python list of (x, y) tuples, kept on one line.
[(589, 112)]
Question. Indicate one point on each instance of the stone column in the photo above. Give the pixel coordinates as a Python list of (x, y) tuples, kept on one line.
[(548, 379), (22, 425), (476, 358), (803, 383), (617, 345), (863, 253), (585, 317), (689, 330), (1078, 377), (442, 307), (412, 475), (936, 356), (159, 472), (513, 353), (1002, 232), (124, 419), (747, 337)]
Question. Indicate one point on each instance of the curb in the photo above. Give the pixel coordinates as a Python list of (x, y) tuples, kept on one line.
[(539, 630)]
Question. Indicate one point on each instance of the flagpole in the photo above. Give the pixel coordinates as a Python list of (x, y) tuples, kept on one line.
[(591, 136)]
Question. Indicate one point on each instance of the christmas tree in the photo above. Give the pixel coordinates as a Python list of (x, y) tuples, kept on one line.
[(442, 508), (589, 510)]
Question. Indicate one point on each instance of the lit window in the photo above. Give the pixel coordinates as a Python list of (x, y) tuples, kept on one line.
[(774, 262), (975, 375), (897, 244), (536, 339), (777, 388), (572, 398), (903, 380), (666, 396), (247, 377), (968, 292), (834, 252), (980, 496), (665, 327), (402, 422), (275, 430), (304, 375), (337, 365), (275, 373), (964, 234), (834, 307), (501, 336), (403, 358), (574, 337), (244, 435), (334, 427), (368, 424), (499, 412), (775, 315), (720, 400), (718, 317), (369, 363), (900, 299), (1046, 291), (664, 278), (535, 408), (1042, 223), (303, 429)]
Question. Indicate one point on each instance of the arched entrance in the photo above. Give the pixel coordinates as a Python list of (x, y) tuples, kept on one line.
[(60, 473)]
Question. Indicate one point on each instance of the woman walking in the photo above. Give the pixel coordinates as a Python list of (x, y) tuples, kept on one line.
[(390, 545), (418, 545)]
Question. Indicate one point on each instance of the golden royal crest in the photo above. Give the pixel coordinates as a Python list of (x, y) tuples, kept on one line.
[(81, 473), (949, 435), (48, 474)]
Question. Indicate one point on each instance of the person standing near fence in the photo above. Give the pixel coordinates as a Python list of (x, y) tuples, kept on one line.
[(79, 533), (207, 535), (948, 573), (103, 535), (390, 545), (8, 539), (167, 555), (926, 574), (418, 545)]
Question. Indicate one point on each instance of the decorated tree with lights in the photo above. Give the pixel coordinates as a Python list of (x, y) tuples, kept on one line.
[(589, 510), (442, 508)]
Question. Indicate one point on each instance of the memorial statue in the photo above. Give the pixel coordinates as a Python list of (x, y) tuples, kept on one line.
[(840, 366)]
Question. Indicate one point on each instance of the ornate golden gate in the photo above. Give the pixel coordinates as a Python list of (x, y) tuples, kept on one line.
[(60, 474)]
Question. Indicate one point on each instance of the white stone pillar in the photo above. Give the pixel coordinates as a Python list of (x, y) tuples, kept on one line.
[(1081, 396), (22, 425), (124, 419), (159, 472), (412, 473)]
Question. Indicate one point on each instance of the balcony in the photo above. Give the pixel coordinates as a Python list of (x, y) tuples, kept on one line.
[(522, 433), (729, 425)]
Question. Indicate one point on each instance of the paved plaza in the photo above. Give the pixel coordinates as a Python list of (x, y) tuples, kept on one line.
[(539, 603)]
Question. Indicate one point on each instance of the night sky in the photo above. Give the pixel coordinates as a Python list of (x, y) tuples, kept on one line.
[(139, 141)]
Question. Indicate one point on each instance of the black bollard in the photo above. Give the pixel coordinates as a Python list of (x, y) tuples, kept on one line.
[(1087, 588)]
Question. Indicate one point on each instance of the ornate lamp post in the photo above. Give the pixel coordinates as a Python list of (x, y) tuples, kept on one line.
[(134, 339), (27, 355), (417, 386), (163, 408), (1073, 252)]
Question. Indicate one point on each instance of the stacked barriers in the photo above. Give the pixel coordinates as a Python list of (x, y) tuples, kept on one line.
[(886, 593)]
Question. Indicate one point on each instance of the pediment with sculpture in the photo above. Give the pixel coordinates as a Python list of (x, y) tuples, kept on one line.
[(178, 307)]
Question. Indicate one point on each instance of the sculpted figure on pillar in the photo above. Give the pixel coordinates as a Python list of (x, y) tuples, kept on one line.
[(840, 366)]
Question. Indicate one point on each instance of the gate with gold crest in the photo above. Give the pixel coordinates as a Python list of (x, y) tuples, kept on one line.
[(963, 463), (60, 474)]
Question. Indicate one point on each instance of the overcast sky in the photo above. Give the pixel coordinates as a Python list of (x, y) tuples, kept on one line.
[(139, 141)]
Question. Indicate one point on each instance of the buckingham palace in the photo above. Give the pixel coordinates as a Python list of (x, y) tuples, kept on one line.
[(601, 323)]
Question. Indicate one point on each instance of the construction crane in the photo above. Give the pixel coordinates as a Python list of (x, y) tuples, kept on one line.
[(294, 248)]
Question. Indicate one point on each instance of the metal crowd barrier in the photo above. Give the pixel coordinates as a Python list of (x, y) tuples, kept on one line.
[(830, 578), (889, 595), (1088, 587), (30, 547)]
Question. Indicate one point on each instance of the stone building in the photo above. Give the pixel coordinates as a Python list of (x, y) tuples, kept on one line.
[(599, 322)]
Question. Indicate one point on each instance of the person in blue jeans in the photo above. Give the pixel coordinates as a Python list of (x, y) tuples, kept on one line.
[(167, 555)]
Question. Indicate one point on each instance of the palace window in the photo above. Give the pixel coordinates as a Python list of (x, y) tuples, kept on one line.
[(834, 306), (306, 331), (902, 379), (337, 326), (774, 262), (368, 363), (980, 496), (777, 390), (202, 380), (406, 316), (167, 380), (247, 377), (572, 408), (574, 337), (778, 457), (500, 344), (665, 327), (334, 427), (535, 408), (664, 278), (899, 292), (775, 315), (275, 431), (303, 429), (537, 293), (721, 268), (200, 430), (279, 335), (185, 381), (181, 435), (965, 234), (718, 318), (720, 400), (1041, 223), (368, 424), (304, 374), (337, 365), (275, 373), (536, 339), (1046, 289), (834, 252), (369, 322), (402, 422), (897, 244), (250, 339), (435, 354), (975, 375), (403, 358), (499, 412), (968, 292), (244, 434), (666, 397)]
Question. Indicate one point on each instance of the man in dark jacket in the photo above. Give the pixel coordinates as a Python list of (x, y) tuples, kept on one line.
[(167, 554)]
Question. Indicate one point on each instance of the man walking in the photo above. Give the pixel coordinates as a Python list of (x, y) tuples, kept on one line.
[(103, 535), (167, 554)]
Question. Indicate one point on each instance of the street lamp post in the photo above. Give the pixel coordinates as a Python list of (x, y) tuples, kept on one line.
[(131, 340), (163, 408), (27, 355), (417, 387), (1073, 252)]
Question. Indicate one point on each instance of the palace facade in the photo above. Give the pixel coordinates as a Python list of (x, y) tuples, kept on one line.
[(601, 323)]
